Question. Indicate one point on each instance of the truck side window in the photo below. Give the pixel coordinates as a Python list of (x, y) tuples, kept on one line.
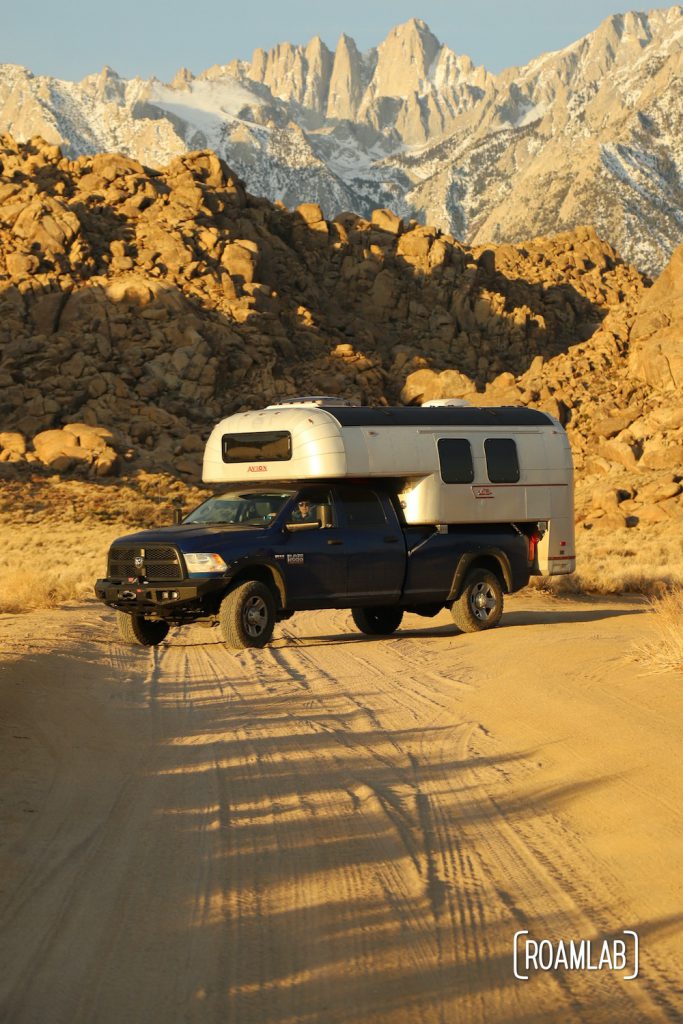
[(362, 507), (455, 460), (502, 464)]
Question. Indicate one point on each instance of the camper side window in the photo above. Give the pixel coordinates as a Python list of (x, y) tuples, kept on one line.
[(455, 460), (502, 464)]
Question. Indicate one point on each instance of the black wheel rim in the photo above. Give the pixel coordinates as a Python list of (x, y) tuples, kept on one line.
[(483, 601)]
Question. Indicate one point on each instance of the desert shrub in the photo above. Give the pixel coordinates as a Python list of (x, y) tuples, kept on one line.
[(26, 591), (664, 649)]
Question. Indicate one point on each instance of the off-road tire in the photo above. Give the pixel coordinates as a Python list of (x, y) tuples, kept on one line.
[(377, 621), (136, 629), (480, 604), (247, 615)]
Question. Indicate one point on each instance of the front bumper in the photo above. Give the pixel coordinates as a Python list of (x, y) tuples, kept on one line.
[(172, 599)]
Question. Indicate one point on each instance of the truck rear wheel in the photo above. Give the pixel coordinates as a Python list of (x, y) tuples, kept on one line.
[(480, 604), (377, 621), (136, 629), (247, 615)]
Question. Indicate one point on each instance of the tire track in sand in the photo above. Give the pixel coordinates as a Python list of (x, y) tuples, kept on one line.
[(315, 832)]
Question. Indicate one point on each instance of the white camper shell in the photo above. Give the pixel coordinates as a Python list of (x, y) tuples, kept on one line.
[(450, 464)]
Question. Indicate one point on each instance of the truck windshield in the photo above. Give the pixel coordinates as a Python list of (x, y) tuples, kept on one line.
[(247, 508)]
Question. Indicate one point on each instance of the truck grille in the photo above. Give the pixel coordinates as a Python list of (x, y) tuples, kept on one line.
[(160, 562)]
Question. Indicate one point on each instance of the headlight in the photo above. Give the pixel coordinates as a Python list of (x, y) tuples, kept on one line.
[(202, 562)]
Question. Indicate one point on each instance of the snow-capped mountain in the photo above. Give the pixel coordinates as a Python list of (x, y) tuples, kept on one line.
[(589, 134)]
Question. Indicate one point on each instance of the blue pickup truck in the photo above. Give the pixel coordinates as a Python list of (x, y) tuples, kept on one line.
[(247, 558)]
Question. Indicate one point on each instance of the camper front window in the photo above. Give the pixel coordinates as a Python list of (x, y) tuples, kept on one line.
[(259, 446)]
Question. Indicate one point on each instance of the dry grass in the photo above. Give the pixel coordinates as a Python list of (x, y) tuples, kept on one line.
[(664, 650), (43, 568), (623, 561), (23, 592), (54, 535)]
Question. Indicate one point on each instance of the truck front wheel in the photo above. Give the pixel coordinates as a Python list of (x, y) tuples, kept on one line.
[(480, 604), (377, 621), (136, 629), (247, 615)]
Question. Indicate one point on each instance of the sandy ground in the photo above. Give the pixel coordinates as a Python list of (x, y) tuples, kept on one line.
[(337, 828)]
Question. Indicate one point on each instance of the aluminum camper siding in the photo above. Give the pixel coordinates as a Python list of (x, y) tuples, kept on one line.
[(361, 443), (428, 499), (317, 447), (367, 442)]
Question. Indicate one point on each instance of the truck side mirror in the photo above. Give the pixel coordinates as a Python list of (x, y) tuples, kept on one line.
[(177, 511), (325, 516)]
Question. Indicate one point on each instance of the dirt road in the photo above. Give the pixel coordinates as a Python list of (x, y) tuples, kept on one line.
[(337, 828)]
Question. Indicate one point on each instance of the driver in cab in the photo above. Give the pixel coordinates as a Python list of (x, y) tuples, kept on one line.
[(305, 512)]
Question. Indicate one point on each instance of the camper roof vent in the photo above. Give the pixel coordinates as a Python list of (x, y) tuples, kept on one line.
[(440, 403), (334, 401)]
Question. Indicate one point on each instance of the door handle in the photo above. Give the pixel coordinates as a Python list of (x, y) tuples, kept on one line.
[(335, 542), (391, 540)]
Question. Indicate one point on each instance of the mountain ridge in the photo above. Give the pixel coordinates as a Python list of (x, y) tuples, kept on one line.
[(592, 132)]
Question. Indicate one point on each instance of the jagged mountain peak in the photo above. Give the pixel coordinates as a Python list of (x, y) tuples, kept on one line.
[(404, 59), (6, 68), (411, 28), (315, 45), (102, 77), (641, 24), (182, 78)]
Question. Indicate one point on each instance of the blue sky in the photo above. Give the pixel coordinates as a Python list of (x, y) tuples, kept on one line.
[(72, 38)]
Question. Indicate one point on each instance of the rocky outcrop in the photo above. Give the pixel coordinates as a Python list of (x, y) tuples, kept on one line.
[(657, 333), (139, 306), (77, 445)]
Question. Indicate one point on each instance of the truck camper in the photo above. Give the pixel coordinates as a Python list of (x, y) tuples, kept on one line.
[(324, 504)]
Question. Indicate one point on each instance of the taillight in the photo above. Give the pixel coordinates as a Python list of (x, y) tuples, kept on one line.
[(533, 543)]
